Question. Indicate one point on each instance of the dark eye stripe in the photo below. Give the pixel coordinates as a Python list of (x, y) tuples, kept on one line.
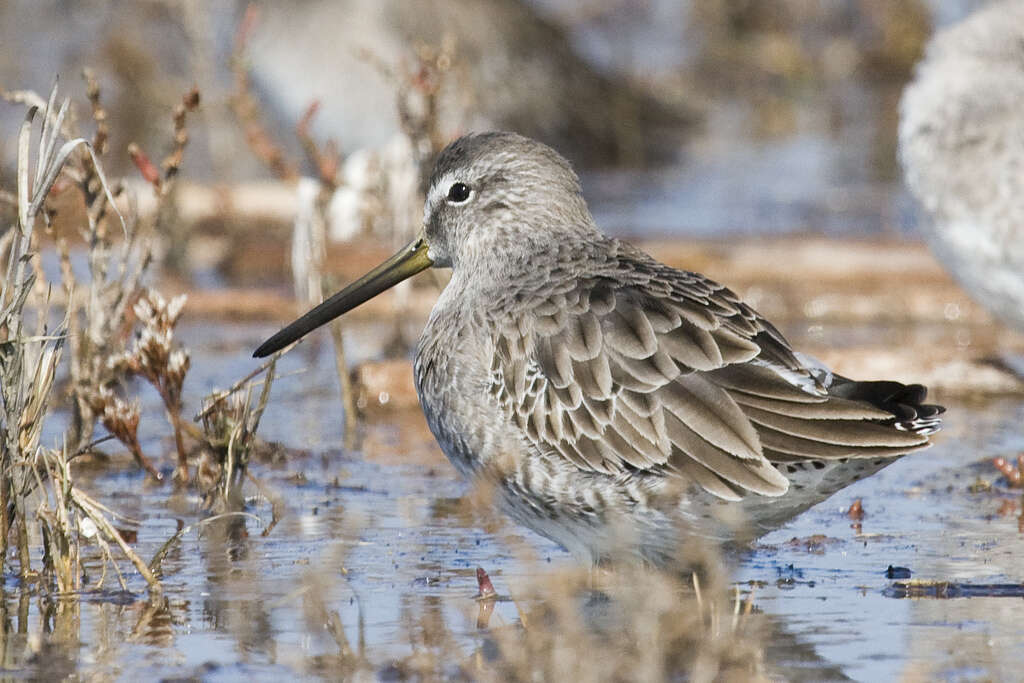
[(458, 193)]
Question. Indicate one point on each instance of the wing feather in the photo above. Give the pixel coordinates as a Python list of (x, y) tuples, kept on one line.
[(837, 432), (815, 450), (830, 408), (648, 368), (710, 411), (759, 476)]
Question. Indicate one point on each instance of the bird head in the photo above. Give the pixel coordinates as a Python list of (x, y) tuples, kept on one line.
[(495, 200)]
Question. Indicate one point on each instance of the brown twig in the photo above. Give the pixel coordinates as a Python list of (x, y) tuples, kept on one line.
[(247, 110), (99, 114), (150, 173), (172, 163), (122, 420), (326, 161), (217, 397), (90, 508)]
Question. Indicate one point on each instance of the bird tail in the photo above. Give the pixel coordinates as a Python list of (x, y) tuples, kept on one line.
[(844, 419), (905, 402)]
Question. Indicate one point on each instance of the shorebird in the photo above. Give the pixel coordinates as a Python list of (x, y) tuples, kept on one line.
[(614, 403), (962, 147)]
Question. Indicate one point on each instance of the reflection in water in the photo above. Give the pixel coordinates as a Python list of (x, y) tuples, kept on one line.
[(234, 603), (156, 623), (920, 513)]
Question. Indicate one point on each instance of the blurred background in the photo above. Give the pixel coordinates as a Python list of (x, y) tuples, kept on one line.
[(731, 116)]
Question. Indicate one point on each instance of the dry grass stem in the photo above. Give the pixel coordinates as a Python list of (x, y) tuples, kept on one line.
[(28, 363), (229, 421), (247, 109), (94, 511), (95, 323), (154, 356), (379, 188)]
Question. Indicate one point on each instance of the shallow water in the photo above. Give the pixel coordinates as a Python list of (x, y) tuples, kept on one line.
[(815, 180), (382, 538), (832, 168), (919, 515)]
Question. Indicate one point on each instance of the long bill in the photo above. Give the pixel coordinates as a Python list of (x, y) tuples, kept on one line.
[(410, 260)]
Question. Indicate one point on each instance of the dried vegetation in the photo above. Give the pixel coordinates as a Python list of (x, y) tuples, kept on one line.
[(370, 192), (31, 474), (78, 342)]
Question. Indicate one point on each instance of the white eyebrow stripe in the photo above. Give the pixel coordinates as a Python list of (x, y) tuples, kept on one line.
[(440, 189)]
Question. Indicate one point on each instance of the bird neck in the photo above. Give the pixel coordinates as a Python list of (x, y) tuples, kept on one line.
[(504, 258)]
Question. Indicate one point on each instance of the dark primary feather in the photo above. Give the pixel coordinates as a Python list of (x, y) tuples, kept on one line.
[(629, 365)]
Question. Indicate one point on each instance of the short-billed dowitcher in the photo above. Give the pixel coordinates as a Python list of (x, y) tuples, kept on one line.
[(614, 402)]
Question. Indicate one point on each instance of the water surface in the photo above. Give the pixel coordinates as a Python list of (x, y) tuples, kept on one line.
[(381, 536)]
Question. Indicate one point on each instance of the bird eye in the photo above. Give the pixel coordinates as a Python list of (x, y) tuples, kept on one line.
[(458, 193)]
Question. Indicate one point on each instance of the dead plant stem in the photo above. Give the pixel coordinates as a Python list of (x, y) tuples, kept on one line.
[(89, 507)]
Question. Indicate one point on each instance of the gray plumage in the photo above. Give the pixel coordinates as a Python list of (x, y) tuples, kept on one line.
[(962, 147), (615, 402)]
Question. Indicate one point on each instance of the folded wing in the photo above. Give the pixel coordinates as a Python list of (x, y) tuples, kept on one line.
[(659, 369)]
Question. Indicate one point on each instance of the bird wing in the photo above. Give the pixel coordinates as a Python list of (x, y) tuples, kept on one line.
[(651, 368)]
